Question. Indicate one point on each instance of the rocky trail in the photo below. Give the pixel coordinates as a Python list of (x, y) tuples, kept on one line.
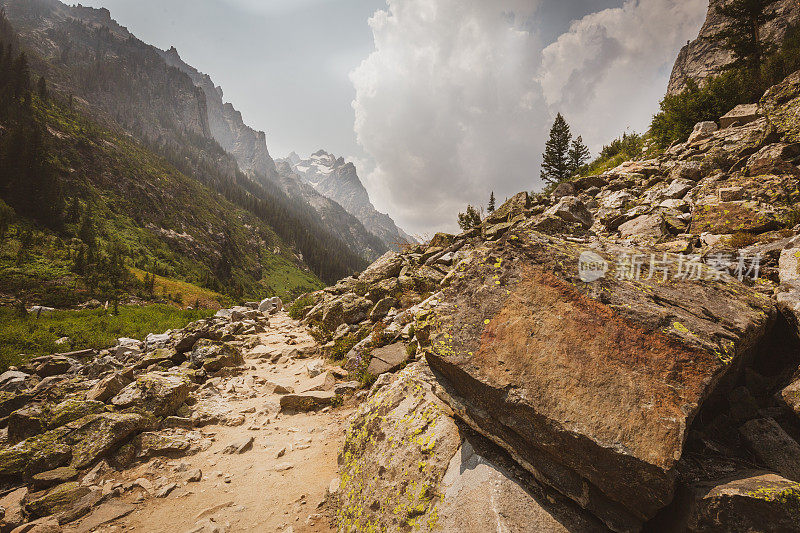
[(252, 456), (257, 470)]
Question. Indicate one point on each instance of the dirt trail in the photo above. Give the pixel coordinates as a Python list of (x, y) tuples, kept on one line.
[(279, 484)]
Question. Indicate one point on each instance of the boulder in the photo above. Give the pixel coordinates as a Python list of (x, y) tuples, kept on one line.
[(740, 115), (387, 359), (789, 265), (79, 444), (48, 524), (270, 306), (791, 396), (517, 205), (159, 444), (687, 170), (754, 501), (156, 340), (563, 189), (727, 218), (57, 476), (69, 410), (387, 266), (702, 130), (13, 515), (26, 422), (212, 356), (13, 380), (68, 501), (773, 446), (306, 401), (159, 393), (645, 227), (108, 387), (590, 387), (406, 465), (382, 308), (781, 103), (774, 159), (572, 210)]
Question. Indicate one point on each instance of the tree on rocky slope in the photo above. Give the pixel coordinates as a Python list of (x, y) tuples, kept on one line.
[(469, 219), (742, 35), (578, 154), (491, 206), (556, 165)]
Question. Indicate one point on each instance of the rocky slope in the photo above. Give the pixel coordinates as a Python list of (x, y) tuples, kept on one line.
[(338, 180), (703, 57), (628, 344)]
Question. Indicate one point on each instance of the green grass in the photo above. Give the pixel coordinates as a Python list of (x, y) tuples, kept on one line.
[(23, 338)]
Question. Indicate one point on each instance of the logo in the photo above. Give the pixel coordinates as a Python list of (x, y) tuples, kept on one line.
[(591, 267)]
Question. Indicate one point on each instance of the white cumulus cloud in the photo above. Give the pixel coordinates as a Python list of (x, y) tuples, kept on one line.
[(458, 96)]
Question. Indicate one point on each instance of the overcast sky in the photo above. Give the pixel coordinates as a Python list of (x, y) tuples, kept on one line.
[(438, 102)]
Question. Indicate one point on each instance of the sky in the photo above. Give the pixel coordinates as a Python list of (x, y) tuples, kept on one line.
[(438, 102)]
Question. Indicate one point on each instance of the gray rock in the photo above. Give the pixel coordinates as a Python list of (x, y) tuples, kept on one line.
[(388, 359), (573, 210)]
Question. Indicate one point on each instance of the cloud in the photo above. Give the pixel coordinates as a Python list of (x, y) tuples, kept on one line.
[(458, 96)]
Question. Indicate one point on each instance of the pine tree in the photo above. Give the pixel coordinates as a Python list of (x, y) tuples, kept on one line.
[(578, 155), (491, 207), (471, 218), (742, 35), (41, 88), (556, 164)]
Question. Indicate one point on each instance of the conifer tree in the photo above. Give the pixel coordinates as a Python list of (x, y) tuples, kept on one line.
[(578, 155), (491, 207), (742, 35), (556, 164), (469, 219)]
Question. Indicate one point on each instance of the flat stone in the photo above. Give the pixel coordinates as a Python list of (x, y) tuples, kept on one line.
[(731, 194), (322, 382), (239, 447), (387, 359), (307, 401), (12, 505), (47, 479)]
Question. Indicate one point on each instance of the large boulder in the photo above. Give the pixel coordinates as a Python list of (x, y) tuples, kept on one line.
[(406, 465), (781, 104), (572, 210), (159, 393), (592, 387), (212, 356), (726, 218), (387, 266), (79, 444)]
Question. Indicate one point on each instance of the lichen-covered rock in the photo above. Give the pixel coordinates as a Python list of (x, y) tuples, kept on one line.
[(387, 266), (69, 410), (781, 103), (755, 501), (26, 422), (212, 356), (396, 451), (406, 465), (109, 386), (78, 443), (159, 393), (725, 218), (591, 386)]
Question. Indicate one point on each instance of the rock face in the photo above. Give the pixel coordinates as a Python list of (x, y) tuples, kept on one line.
[(338, 180), (525, 360), (226, 125), (703, 57)]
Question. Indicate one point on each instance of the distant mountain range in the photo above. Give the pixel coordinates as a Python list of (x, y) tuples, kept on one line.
[(337, 179)]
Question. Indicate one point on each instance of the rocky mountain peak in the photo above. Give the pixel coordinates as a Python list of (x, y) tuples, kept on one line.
[(703, 57), (338, 179)]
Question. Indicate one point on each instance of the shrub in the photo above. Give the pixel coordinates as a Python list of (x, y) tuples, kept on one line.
[(296, 310)]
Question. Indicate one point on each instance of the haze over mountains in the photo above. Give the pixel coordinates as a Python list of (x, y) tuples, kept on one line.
[(180, 114)]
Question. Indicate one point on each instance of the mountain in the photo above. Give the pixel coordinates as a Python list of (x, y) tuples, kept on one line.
[(133, 88), (85, 210), (704, 57), (345, 226), (338, 180), (249, 148)]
